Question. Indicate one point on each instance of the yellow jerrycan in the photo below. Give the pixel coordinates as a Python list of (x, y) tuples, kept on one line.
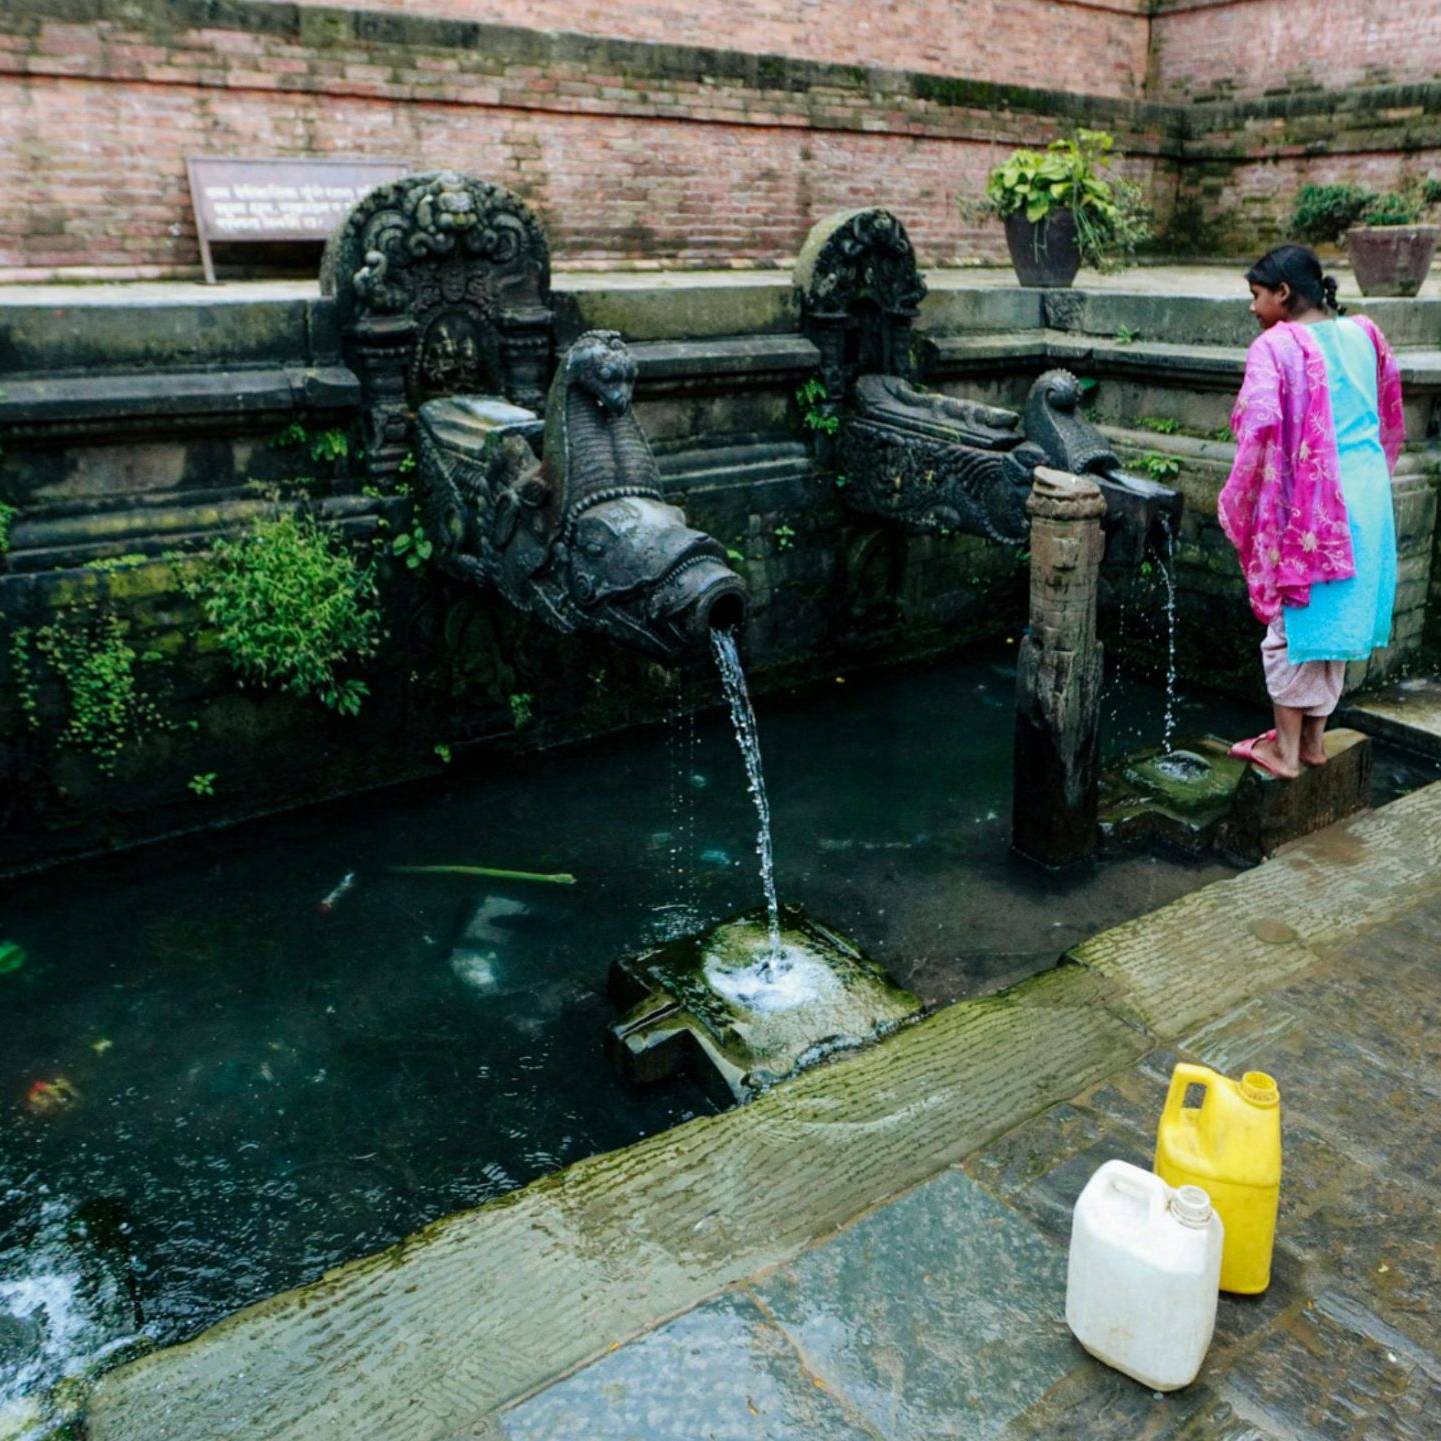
[(1230, 1146)]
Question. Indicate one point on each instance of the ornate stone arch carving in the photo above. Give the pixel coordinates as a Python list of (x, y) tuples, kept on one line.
[(860, 291), (442, 287)]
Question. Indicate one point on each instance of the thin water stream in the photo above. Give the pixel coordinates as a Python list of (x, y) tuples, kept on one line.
[(743, 717), (1167, 564)]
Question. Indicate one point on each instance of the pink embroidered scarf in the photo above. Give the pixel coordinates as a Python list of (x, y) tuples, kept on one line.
[(1282, 506)]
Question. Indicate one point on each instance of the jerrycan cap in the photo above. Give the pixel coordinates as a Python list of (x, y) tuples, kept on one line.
[(1191, 1206), (1260, 1089)]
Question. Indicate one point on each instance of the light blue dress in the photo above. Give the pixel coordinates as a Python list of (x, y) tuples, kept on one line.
[(1348, 619)]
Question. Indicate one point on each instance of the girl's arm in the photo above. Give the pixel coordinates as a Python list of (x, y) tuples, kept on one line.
[(1256, 424)]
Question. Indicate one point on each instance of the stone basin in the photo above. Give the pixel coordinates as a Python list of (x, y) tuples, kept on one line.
[(708, 1004)]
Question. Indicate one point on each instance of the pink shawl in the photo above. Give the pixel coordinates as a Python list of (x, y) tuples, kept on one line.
[(1282, 506)]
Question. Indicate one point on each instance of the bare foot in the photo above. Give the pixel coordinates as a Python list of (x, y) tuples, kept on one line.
[(1273, 756), (1314, 758)]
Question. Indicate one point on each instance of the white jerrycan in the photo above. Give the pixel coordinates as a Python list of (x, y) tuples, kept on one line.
[(1143, 1275)]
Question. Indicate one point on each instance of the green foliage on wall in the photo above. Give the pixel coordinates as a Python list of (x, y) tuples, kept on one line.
[(291, 608), (90, 655)]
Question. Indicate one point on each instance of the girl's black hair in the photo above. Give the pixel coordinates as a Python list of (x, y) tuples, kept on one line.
[(1298, 267)]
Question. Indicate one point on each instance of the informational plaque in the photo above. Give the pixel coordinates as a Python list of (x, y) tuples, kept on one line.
[(254, 201)]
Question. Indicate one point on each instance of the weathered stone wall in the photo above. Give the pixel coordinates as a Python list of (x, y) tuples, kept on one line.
[(628, 151), (119, 474), (167, 447), (1235, 49)]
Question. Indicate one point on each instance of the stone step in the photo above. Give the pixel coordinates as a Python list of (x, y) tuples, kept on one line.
[(1407, 715)]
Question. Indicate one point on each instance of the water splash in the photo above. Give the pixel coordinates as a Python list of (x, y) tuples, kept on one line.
[(1167, 565), (743, 717), (64, 1314), (780, 981)]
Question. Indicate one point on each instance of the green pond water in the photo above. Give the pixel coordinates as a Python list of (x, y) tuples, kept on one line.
[(212, 1088)]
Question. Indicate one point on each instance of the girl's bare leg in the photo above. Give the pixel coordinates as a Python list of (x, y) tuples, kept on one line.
[(1285, 751), (1313, 747)]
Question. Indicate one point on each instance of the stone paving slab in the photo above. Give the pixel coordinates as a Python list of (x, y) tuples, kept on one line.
[(951, 1300), (725, 1373)]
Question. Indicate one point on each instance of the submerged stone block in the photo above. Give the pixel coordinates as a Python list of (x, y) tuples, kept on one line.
[(1176, 799), (708, 1004), (1198, 798)]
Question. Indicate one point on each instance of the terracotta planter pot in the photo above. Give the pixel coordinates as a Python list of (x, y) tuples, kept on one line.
[(1391, 259), (1044, 253)]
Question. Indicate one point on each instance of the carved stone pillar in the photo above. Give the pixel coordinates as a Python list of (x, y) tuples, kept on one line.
[(381, 350), (1058, 680), (525, 345)]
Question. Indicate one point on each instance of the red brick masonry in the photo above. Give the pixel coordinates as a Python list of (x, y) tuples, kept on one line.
[(643, 148)]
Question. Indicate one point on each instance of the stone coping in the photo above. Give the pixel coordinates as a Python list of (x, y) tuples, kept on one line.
[(1211, 280), (487, 1306)]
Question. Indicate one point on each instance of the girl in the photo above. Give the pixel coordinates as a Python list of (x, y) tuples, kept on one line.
[(1308, 503)]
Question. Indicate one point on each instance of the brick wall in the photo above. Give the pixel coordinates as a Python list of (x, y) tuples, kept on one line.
[(638, 145), (1246, 161), (1216, 49), (1014, 42), (628, 151)]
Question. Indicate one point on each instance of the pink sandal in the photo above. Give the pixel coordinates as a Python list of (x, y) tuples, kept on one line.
[(1246, 751)]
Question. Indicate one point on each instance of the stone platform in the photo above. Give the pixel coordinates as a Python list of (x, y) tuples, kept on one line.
[(1198, 798), (938, 1314), (1407, 714)]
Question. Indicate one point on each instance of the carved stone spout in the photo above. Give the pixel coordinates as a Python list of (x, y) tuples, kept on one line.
[(932, 462), (585, 539), (1140, 512)]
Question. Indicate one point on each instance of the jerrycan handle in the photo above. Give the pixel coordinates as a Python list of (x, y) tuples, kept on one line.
[(1140, 1185), (1186, 1074)]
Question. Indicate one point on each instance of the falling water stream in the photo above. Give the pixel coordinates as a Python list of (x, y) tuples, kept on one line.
[(1167, 564), (743, 717)]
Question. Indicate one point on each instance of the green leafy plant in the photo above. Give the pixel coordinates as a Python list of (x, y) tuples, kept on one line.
[(7, 519), (414, 545), (1112, 217), (1161, 424), (1324, 213), (736, 557), (1158, 466), (785, 537), (1126, 336), (442, 753), (330, 446), (325, 446), (1394, 207), (291, 608), (407, 463), (811, 399), (521, 714), (202, 783), (91, 656)]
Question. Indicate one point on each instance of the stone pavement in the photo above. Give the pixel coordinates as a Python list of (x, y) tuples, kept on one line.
[(940, 1313)]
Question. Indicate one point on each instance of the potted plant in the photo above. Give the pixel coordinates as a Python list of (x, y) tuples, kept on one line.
[(1060, 211), (1386, 236)]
